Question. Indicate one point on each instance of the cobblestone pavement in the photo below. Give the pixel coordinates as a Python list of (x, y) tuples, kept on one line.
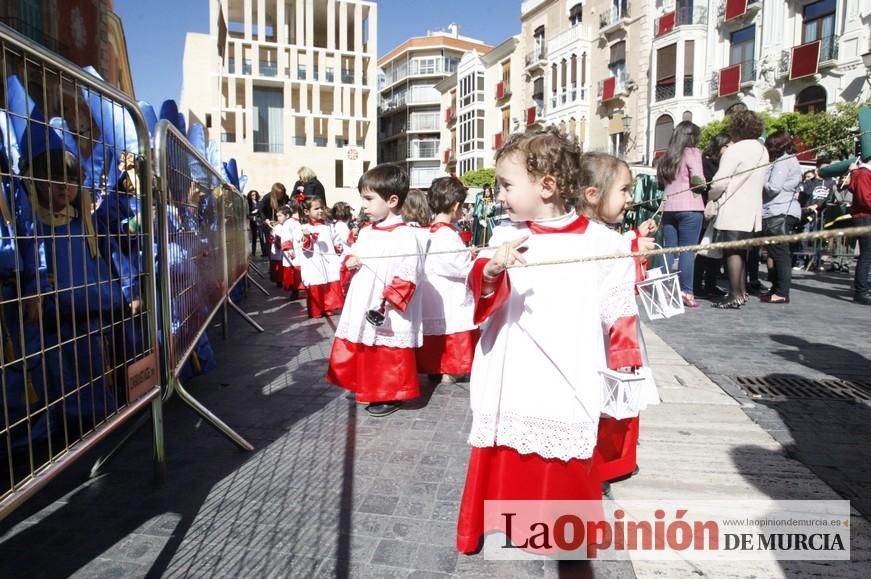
[(820, 335), (328, 492)]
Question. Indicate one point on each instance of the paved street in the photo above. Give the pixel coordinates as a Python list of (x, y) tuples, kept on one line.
[(821, 335), (331, 492)]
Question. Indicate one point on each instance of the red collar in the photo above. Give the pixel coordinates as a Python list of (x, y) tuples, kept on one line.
[(436, 226), (577, 225), (389, 227)]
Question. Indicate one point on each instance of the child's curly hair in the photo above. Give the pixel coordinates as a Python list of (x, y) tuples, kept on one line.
[(547, 152)]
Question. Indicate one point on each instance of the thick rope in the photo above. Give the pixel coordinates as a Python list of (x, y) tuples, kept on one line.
[(740, 244)]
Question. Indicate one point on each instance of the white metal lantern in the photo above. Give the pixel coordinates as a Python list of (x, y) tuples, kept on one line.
[(660, 293), (621, 393)]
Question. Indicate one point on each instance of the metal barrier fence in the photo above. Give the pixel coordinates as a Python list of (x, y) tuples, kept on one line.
[(77, 270), (202, 225)]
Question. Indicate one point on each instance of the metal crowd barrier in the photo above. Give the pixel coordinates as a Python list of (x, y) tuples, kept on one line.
[(202, 225), (77, 270)]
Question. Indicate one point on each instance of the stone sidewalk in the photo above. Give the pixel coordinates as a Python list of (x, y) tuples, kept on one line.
[(332, 492), (699, 444)]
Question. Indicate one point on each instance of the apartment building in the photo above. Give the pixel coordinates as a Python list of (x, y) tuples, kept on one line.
[(716, 56), (482, 103), (286, 83), (410, 119)]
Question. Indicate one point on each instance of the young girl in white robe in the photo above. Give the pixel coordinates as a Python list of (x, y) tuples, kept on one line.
[(536, 384)]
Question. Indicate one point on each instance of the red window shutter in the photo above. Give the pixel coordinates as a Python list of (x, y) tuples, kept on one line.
[(665, 23), (608, 88), (447, 156), (530, 116), (500, 89), (449, 114), (735, 8), (730, 80), (497, 141), (805, 60)]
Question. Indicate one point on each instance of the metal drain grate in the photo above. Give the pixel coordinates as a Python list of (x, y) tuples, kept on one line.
[(795, 387)]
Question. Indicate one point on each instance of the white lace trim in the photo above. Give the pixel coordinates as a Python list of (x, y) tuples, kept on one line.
[(618, 302), (527, 434), (366, 333)]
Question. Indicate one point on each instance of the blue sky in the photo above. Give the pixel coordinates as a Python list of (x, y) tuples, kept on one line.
[(155, 31)]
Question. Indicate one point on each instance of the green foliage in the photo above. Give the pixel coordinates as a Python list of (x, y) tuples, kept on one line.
[(711, 130), (479, 177), (828, 133)]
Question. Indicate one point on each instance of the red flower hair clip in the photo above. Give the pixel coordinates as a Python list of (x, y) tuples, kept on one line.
[(300, 198)]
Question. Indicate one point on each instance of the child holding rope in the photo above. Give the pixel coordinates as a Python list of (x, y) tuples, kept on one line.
[(536, 387), (449, 333), (606, 184), (320, 262), (373, 354)]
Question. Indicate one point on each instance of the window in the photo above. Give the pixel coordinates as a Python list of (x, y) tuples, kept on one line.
[(689, 49), (662, 133), (666, 58), (617, 63), (576, 14), (742, 52), (268, 116), (538, 42), (811, 100), (300, 71), (819, 24), (617, 145)]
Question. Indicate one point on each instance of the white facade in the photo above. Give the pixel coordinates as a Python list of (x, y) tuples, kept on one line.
[(762, 41), (410, 116), (295, 87)]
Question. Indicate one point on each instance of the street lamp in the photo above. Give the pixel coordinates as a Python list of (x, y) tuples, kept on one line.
[(866, 60)]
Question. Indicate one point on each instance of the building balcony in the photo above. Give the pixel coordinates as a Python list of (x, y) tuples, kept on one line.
[(267, 147), (665, 89), (613, 88), (566, 38), (448, 157), (615, 19), (347, 76), (737, 11), (268, 69), (497, 141), (537, 57), (450, 115), (696, 15), (503, 91)]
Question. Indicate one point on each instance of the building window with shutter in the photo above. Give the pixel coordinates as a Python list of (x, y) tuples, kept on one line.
[(666, 77)]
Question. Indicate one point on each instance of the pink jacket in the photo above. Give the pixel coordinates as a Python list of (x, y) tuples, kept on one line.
[(677, 194)]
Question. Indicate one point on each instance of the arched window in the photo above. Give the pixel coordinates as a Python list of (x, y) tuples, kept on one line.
[(811, 100), (736, 108), (662, 135)]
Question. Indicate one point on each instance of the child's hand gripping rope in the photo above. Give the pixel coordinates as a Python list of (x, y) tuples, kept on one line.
[(508, 254)]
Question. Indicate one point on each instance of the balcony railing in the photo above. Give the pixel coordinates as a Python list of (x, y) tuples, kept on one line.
[(688, 86), (615, 18), (269, 69), (502, 90), (423, 150), (805, 60), (612, 87), (444, 66), (666, 89), (425, 122), (686, 16), (536, 56), (266, 147), (566, 37), (347, 76)]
